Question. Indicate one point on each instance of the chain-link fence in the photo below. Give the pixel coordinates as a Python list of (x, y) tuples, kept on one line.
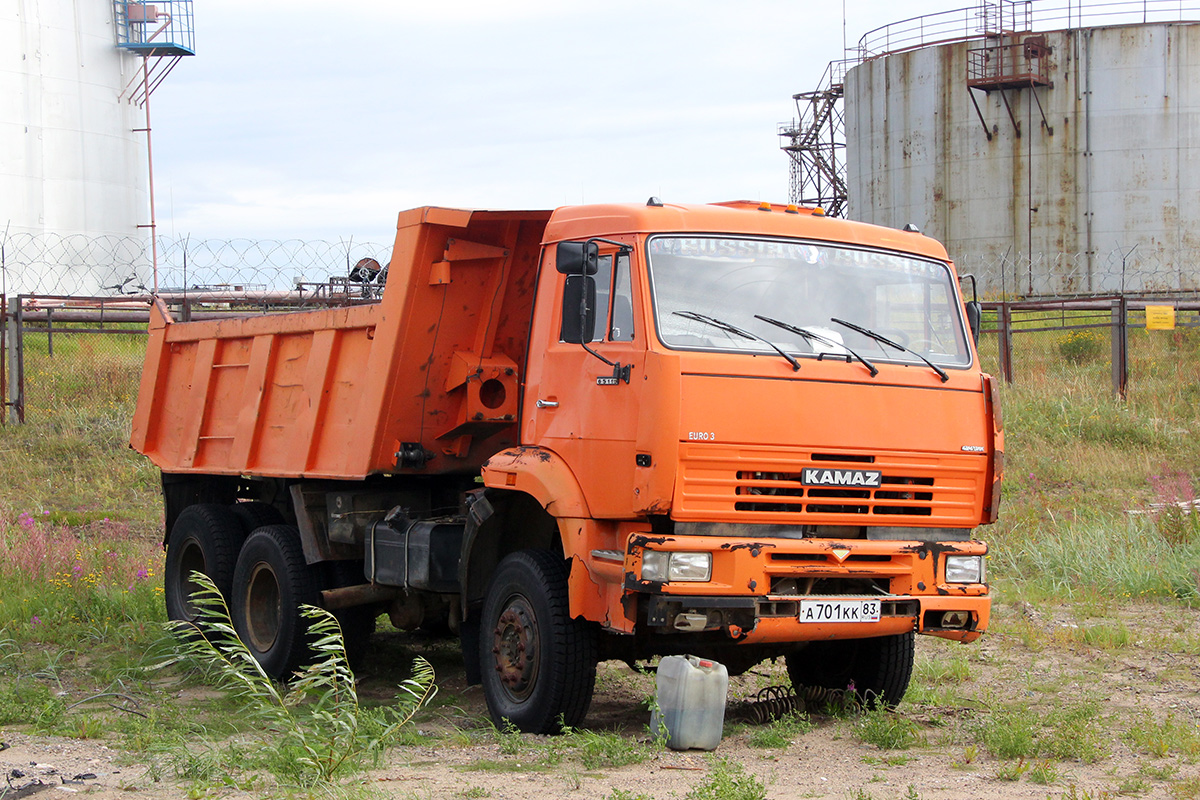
[(73, 355), (76, 307), (1093, 342), (84, 266), (75, 317)]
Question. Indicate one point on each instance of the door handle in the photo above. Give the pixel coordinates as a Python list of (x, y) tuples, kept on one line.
[(547, 404)]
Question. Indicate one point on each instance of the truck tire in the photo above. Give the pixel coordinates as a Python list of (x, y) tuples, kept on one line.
[(538, 665), (205, 538), (270, 583), (878, 669), (255, 514)]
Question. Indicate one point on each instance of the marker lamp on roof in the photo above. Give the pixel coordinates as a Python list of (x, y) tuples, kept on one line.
[(670, 566)]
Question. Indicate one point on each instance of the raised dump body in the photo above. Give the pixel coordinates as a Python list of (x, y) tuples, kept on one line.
[(426, 377), (737, 431)]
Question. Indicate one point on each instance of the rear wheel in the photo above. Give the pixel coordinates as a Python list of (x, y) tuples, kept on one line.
[(270, 583), (878, 669), (538, 664), (205, 538), (255, 514)]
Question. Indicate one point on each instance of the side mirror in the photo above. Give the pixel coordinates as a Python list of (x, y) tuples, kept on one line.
[(974, 317), (579, 309), (577, 258)]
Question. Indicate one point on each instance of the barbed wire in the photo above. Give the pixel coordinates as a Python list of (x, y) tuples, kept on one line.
[(83, 265), (1114, 271)]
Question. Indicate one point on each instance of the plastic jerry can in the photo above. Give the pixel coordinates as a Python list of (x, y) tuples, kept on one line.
[(691, 702)]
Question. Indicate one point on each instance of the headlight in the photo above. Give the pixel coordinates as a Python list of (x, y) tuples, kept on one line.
[(964, 569), (666, 566)]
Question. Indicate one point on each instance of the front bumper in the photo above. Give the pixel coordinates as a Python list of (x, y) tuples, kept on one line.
[(756, 589)]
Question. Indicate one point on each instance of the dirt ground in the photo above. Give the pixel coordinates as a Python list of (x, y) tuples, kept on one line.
[(1038, 659)]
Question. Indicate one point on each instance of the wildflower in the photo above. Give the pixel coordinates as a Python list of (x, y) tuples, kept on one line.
[(26, 520), (35, 620), (142, 574)]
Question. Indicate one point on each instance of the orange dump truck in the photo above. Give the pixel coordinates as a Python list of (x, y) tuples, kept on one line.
[(736, 430)]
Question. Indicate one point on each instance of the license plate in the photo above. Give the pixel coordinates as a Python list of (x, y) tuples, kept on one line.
[(839, 611)]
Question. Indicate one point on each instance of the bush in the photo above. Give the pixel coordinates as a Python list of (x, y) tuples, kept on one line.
[(1080, 347)]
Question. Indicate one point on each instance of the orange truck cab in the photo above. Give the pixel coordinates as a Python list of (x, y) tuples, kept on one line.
[(738, 430)]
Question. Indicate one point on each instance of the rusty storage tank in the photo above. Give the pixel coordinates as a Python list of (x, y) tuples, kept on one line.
[(1049, 161)]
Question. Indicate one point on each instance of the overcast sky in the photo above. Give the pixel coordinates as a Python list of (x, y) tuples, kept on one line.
[(322, 120)]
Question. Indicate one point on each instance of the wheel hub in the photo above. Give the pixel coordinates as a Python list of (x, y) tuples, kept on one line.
[(191, 560), (263, 610), (515, 648)]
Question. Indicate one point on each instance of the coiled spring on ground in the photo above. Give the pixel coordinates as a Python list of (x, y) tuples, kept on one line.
[(775, 702)]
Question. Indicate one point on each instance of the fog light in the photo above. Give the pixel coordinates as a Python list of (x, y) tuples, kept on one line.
[(665, 566), (964, 569), (955, 619)]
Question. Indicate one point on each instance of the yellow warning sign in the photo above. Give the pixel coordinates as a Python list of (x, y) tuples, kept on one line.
[(1160, 318)]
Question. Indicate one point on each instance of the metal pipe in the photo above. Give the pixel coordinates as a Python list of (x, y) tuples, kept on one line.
[(361, 595)]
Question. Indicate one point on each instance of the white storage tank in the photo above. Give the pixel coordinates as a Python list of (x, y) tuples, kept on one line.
[(70, 161), (1071, 166)]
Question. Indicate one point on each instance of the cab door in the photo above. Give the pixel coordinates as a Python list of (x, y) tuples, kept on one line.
[(575, 404)]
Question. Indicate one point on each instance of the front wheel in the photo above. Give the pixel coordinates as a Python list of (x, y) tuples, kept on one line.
[(877, 670), (538, 664), (270, 583)]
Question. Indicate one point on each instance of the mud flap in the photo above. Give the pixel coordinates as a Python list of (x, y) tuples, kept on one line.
[(468, 634)]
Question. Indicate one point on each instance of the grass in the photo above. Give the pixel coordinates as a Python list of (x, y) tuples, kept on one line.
[(81, 560), (886, 729)]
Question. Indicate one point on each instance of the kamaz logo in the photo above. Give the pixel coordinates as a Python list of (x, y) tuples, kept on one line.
[(840, 477)]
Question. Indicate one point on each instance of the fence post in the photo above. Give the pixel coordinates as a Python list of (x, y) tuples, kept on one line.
[(1120, 346), (16, 363), (1004, 338), (3, 356)]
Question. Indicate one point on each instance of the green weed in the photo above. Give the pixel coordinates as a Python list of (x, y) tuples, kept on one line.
[(315, 723), (781, 732), (1009, 733), (1012, 770), (626, 794), (1074, 733), (607, 750), (1081, 346), (1186, 789), (886, 730), (728, 780), (1044, 772), (1160, 738)]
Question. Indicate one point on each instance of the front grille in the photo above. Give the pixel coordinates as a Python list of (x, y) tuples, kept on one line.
[(788, 495), (764, 485), (801, 586)]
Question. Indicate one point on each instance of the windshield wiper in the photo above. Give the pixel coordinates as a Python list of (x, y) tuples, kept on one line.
[(810, 337), (884, 340), (730, 328)]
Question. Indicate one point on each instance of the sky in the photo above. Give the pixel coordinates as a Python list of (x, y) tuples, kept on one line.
[(323, 120)]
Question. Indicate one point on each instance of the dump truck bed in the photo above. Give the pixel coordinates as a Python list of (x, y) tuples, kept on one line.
[(426, 378)]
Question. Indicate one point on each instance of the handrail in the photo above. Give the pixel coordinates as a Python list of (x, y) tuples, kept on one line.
[(991, 19)]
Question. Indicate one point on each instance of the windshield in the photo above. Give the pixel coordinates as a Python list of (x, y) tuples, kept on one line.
[(807, 285)]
